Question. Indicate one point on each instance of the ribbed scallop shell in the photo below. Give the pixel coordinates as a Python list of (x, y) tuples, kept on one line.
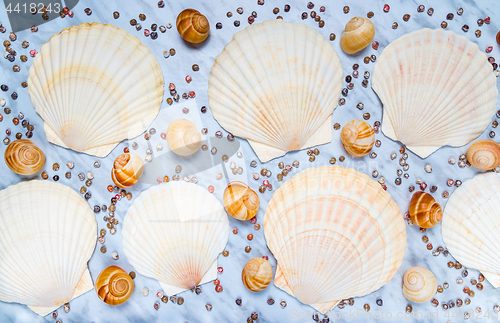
[(173, 232), (335, 234), (23, 157), (437, 89), (419, 284), (471, 225), (95, 85), (47, 235), (276, 84), (357, 138)]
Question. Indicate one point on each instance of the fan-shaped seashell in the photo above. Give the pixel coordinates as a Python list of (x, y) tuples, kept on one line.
[(183, 137), (424, 210), (127, 170), (23, 157), (257, 274), (357, 138), (471, 225), (484, 154), (173, 232), (193, 26), (95, 85), (358, 34), (47, 235), (437, 89), (268, 86), (240, 201), (335, 234), (419, 285), (114, 286)]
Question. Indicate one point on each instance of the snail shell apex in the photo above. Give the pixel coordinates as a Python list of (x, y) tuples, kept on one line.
[(127, 170), (484, 154), (357, 138), (419, 284), (358, 34), (193, 26), (114, 286), (240, 201), (23, 157), (424, 210), (257, 274)]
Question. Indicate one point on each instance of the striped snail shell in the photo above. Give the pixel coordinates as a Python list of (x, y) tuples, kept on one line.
[(193, 26), (127, 170), (257, 274), (23, 157), (424, 210), (240, 201), (357, 138)]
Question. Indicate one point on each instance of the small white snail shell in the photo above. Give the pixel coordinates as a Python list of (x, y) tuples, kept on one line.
[(419, 284), (183, 137)]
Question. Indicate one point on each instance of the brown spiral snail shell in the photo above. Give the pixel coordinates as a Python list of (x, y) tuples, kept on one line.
[(357, 138), (127, 170), (240, 201), (23, 157), (193, 26), (424, 210), (114, 286), (484, 154), (257, 274)]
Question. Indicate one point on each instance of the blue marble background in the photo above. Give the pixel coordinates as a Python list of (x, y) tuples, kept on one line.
[(88, 308)]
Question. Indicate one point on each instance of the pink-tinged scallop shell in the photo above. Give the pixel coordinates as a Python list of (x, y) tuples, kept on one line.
[(335, 234)]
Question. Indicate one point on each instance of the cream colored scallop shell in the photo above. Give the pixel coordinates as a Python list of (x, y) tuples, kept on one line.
[(173, 232), (437, 89), (276, 84), (471, 225), (343, 226), (419, 284), (95, 85), (47, 235)]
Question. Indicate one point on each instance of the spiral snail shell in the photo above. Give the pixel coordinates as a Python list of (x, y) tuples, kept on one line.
[(419, 284), (424, 210), (193, 26), (183, 137), (240, 201), (127, 170), (257, 274), (357, 138), (358, 34), (23, 157), (114, 286), (484, 154)]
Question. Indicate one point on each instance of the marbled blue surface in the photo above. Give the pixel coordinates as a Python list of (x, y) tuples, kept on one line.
[(88, 308)]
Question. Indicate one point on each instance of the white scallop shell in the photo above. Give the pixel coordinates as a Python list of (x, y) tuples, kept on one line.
[(437, 89), (173, 232), (47, 235), (471, 225), (276, 84), (95, 85), (335, 234)]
